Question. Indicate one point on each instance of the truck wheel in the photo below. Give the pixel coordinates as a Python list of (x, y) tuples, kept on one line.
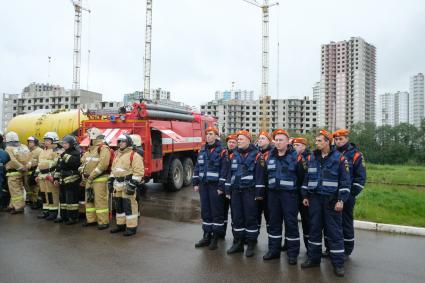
[(175, 175), (188, 172)]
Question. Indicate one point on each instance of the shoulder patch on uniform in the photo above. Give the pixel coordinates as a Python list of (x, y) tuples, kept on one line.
[(357, 155), (347, 166)]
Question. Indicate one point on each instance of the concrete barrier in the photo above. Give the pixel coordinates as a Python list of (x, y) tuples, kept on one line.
[(381, 227)]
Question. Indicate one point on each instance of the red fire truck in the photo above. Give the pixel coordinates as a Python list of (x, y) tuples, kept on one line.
[(171, 138)]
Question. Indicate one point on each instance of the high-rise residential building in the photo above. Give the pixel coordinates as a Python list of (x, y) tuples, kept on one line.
[(45, 96), (347, 83), (316, 91), (298, 115), (234, 94), (416, 100), (156, 94), (392, 108)]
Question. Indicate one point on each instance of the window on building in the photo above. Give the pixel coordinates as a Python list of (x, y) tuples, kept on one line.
[(66, 106), (14, 101), (66, 99), (29, 101), (14, 108), (29, 107)]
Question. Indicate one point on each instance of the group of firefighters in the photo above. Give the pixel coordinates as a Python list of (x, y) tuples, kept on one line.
[(60, 179), (279, 177)]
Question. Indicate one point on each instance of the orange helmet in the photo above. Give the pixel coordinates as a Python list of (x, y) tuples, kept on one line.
[(231, 137), (327, 135), (266, 134), (300, 140), (244, 133), (280, 132), (211, 129), (341, 133)]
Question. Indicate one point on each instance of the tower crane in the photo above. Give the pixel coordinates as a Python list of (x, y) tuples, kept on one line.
[(264, 97), (77, 44)]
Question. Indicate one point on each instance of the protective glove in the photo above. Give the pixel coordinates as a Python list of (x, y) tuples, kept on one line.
[(130, 188), (111, 184), (89, 195)]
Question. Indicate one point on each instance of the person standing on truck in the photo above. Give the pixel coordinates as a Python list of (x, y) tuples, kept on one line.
[(47, 161), (126, 174), (245, 185), (67, 178), (32, 186), (95, 171), (16, 169), (208, 180), (325, 189), (285, 173), (358, 180), (232, 144), (264, 146)]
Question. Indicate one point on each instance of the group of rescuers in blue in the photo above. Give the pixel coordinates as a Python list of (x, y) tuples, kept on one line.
[(280, 177)]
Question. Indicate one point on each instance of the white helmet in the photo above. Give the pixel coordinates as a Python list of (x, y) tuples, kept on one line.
[(126, 138), (137, 140), (12, 137), (52, 136), (95, 133)]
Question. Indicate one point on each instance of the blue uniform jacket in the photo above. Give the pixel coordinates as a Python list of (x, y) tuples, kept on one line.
[(285, 172), (327, 176), (247, 168), (208, 168), (357, 168)]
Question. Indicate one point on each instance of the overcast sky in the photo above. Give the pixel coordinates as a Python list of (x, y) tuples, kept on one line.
[(200, 46)]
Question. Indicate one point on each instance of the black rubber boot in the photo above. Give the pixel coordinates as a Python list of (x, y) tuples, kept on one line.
[(17, 211), (292, 260), (214, 243), (130, 232), (237, 247), (88, 224), (71, 221), (250, 248), (269, 255), (43, 214), (308, 264), (119, 228), (205, 241), (102, 226), (339, 271), (53, 214), (58, 220)]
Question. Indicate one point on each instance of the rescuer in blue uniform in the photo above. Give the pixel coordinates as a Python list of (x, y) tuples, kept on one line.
[(232, 144), (4, 191), (285, 175), (209, 183), (300, 144), (264, 146), (245, 186), (325, 189), (358, 180)]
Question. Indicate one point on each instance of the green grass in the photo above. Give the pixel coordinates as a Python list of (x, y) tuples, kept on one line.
[(394, 194), (391, 204), (396, 174)]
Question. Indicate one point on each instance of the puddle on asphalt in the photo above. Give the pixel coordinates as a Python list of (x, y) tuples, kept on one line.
[(181, 206)]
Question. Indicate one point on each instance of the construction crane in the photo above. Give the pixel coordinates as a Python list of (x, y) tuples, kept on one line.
[(264, 98), (148, 45), (77, 44)]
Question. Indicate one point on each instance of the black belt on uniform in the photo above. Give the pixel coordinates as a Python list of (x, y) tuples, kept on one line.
[(46, 171), (11, 170), (123, 179)]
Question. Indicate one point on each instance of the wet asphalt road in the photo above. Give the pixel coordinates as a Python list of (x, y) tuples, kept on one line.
[(33, 250)]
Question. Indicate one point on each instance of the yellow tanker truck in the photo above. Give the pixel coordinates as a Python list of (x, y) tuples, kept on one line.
[(37, 123)]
